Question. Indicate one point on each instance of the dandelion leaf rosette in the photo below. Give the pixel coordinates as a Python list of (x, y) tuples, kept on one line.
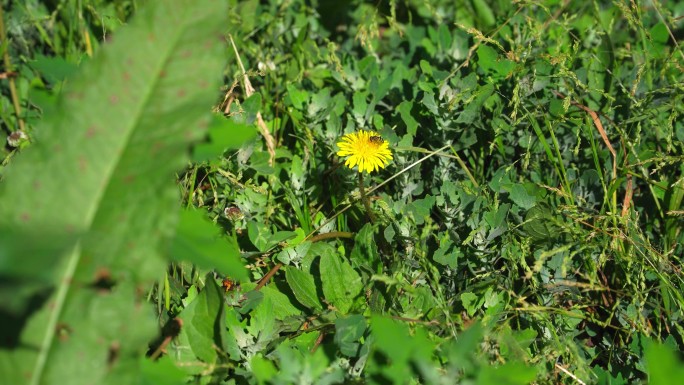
[(88, 208)]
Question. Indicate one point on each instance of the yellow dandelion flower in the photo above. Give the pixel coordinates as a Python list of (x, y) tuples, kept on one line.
[(365, 149)]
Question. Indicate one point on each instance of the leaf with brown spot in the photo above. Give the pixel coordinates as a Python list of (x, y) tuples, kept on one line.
[(101, 133)]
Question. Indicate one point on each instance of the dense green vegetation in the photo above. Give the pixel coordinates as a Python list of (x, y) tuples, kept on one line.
[(173, 209)]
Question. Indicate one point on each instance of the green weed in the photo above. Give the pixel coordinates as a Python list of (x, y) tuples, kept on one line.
[(528, 229)]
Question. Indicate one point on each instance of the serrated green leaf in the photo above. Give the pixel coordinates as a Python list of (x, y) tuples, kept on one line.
[(101, 171), (304, 287), (282, 306), (341, 283)]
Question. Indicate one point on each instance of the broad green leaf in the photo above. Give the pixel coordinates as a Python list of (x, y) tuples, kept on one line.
[(405, 112), (429, 102), (101, 173), (496, 217), (282, 307), (198, 241), (365, 248), (297, 97), (341, 283), (420, 208), (303, 287), (444, 37), (447, 254), (262, 324), (540, 223), (199, 335), (521, 197), (473, 109), (251, 107), (471, 302), (360, 102), (294, 254), (250, 301), (490, 61)]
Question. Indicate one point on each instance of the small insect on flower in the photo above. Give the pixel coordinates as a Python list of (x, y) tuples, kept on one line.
[(376, 139), (366, 149)]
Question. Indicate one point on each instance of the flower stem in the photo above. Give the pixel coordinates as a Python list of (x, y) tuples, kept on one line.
[(365, 199)]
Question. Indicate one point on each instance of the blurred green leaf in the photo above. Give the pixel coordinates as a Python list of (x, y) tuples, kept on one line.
[(55, 69), (484, 12), (224, 134), (101, 168), (511, 373), (404, 348), (348, 330), (663, 364), (461, 350), (197, 240), (161, 372), (263, 369)]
